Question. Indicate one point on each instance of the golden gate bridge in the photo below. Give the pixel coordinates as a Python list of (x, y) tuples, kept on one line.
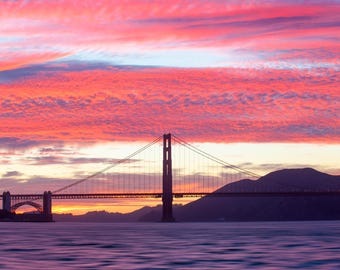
[(155, 175)]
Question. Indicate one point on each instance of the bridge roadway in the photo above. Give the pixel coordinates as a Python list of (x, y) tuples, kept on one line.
[(177, 195)]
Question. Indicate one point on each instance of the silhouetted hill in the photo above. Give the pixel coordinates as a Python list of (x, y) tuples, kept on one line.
[(300, 179), (103, 216), (270, 208), (287, 180), (246, 208)]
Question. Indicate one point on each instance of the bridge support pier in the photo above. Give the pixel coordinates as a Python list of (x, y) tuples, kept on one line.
[(47, 205), (167, 195), (6, 201)]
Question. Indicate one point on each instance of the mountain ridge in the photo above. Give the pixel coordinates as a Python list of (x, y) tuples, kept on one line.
[(250, 208)]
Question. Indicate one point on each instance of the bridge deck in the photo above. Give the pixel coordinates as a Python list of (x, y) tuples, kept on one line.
[(177, 195)]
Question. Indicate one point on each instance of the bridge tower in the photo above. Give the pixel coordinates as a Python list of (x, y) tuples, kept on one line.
[(6, 201), (47, 205), (167, 195)]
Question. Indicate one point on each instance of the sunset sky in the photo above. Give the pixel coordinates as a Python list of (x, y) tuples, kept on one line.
[(85, 83)]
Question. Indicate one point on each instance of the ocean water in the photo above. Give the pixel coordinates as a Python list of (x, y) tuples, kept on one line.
[(251, 245)]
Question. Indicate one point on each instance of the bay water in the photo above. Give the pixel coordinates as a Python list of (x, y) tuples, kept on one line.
[(234, 245)]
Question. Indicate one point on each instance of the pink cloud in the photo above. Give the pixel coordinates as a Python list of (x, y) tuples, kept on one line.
[(234, 105), (265, 29), (17, 60)]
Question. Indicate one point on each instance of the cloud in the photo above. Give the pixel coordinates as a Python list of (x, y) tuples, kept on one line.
[(33, 33), (50, 160), (17, 143), (81, 160), (18, 60), (63, 76), (269, 167), (141, 103), (32, 185), (11, 174), (32, 70)]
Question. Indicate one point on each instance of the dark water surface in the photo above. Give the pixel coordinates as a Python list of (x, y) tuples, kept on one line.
[(253, 245)]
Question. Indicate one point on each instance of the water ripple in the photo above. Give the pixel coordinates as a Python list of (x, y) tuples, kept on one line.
[(253, 245)]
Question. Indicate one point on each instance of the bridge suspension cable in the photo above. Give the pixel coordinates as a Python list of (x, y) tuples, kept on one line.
[(212, 158), (177, 140), (109, 167)]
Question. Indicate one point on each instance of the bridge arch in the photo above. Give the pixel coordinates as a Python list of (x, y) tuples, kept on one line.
[(34, 204)]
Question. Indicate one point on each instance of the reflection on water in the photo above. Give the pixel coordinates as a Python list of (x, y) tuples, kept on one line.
[(261, 245)]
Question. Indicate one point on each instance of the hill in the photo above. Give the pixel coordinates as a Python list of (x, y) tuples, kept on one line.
[(270, 208), (103, 216), (246, 208)]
